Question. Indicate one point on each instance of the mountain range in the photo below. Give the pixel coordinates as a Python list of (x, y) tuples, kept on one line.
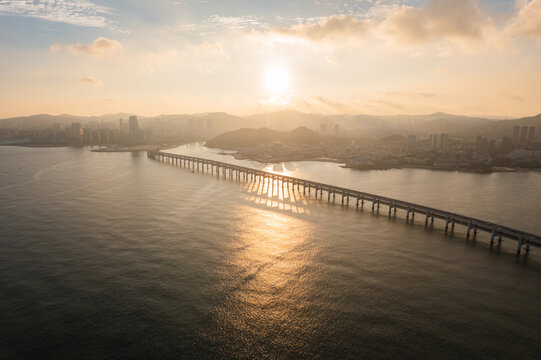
[(354, 125)]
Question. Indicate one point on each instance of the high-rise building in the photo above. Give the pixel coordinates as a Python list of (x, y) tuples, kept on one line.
[(133, 125), (411, 144), (76, 131), (516, 133), (336, 129), (491, 146), (531, 135), (507, 145), (444, 142), (523, 135), (434, 142), (120, 125)]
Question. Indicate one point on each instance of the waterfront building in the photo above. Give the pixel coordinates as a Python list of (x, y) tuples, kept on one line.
[(444, 142), (411, 144), (523, 135), (434, 142), (516, 132), (506, 145), (133, 125), (531, 135)]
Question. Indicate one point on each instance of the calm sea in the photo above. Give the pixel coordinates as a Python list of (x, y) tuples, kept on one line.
[(114, 255)]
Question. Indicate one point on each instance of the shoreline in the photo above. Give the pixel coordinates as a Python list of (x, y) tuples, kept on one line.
[(495, 169), (98, 149)]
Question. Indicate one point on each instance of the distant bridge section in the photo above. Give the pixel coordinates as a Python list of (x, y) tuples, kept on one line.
[(497, 232)]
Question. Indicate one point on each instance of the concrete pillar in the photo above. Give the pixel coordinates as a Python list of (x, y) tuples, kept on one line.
[(426, 220), (492, 236), (519, 247), (408, 214), (357, 204), (447, 223), (469, 228), (390, 208)]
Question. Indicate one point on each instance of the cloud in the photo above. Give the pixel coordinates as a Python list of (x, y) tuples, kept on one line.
[(212, 48), (332, 27), (99, 47), (457, 20), (461, 20), (234, 22), (527, 22), (74, 12), (90, 80)]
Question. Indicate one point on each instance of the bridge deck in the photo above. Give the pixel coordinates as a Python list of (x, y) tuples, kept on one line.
[(522, 238)]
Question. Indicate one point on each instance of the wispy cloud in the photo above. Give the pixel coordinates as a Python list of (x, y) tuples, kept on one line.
[(75, 12), (335, 26), (235, 22), (99, 47), (438, 19), (527, 23), (461, 21), (90, 80)]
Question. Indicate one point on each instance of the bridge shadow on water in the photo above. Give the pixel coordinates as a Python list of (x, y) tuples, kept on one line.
[(285, 198)]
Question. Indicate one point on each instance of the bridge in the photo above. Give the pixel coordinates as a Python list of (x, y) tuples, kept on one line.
[(497, 232)]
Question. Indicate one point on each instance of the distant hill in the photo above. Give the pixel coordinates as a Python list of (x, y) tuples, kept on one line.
[(253, 137)]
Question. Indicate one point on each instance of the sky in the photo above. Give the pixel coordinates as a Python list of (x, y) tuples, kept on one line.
[(381, 57)]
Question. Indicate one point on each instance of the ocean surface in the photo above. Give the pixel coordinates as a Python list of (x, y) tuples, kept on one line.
[(114, 255)]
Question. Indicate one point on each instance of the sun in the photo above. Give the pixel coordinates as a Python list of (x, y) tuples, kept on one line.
[(277, 80)]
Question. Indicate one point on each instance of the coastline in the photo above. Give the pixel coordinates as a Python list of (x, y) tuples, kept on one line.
[(276, 160), (112, 148)]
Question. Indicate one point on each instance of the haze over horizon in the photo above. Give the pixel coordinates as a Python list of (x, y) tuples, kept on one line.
[(385, 57)]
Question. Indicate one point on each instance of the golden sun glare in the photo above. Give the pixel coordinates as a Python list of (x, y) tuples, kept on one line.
[(277, 80)]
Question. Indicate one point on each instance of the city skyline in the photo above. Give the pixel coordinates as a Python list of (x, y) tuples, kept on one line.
[(83, 57)]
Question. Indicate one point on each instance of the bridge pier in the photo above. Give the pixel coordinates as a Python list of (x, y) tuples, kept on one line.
[(469, 228)]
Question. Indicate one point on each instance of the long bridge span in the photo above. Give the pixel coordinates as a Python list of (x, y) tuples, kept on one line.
[(497, 232)]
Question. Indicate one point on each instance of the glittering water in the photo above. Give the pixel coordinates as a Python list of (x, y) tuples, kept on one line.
[(115, 255)]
